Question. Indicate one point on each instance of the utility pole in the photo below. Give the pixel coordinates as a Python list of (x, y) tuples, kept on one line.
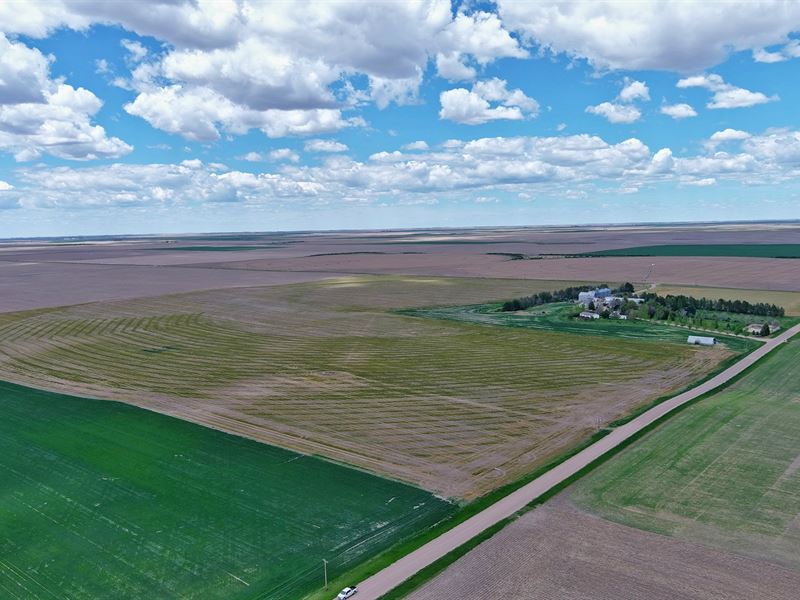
[(325, 570), (649, 272)]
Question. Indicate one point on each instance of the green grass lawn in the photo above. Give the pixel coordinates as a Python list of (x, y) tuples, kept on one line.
[(749, 250), (559, 317), (103, 500), (724, 472), (713, 319)]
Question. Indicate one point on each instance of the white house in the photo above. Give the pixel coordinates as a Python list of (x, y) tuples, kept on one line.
[(755, 328), (588, 315), (699, 340), (585, 298)]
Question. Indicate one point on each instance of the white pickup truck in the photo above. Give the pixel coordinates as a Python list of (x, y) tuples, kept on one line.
[(347, 592)]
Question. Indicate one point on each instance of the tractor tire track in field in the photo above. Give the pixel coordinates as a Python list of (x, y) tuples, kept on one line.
[(325, 368), (387, 579)]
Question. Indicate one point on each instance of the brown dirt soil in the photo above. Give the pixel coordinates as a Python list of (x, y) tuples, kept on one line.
[(750, 273), (559, 552), (323, 368), (30, 285), (38, 274)]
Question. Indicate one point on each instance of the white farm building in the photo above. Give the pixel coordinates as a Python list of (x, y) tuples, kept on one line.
[(587, 298), (699, 340)]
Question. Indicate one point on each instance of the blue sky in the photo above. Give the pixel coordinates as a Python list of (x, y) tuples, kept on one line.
[(234, 115)]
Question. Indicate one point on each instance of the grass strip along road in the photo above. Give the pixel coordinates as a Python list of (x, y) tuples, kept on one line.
[(384, 581)]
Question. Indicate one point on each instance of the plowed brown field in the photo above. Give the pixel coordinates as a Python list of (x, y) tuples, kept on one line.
[(324, 368), (557, 552)]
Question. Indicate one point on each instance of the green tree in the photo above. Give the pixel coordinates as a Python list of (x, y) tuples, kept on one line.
[(626, 288)]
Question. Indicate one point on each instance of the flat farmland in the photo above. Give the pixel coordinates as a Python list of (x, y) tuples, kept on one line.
[(105, 500), (557, 552), (465, 261), (29, 285), (724, 473), (705, 507), (750, 250), (327, 368)]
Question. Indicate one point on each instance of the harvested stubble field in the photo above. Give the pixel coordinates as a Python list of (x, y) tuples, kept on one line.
[(104, 500), (325, 368), (705, 507), (724, 473)]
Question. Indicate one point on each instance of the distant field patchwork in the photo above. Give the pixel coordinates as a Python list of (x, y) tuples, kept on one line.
[(327, 368), (725, 472), (104, 500), (753, 250)]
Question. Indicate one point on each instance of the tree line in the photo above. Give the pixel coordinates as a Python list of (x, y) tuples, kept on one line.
[(689, 305), (565, 295)]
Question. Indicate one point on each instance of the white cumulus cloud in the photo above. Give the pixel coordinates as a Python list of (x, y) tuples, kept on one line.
[(418, 145), (634, 90), (725, 94), (672, 35), (284, 154), (785, 52), (727, 135), (325, 146), (474, 107), (250, 59), (136, 51), (678, 111), (615, 113), (41, 115), (197, 113), (451, 66), (622, 109), (662, 161), (553, 165)]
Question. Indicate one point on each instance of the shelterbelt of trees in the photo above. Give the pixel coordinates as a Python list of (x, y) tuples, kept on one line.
[(689, 305), (653, 306), (564, 295)]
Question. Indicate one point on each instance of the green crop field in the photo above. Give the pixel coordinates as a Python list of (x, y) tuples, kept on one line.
[(725, 472), (328, 368), (103, 500), (748, 250)]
